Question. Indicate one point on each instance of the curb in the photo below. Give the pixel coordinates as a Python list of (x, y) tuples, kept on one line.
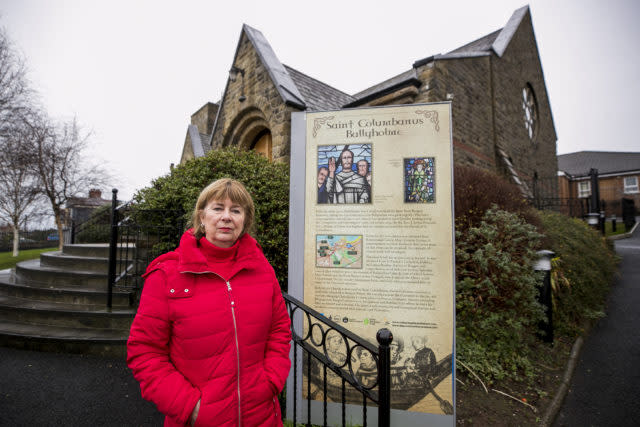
[(624, 235), (561, 393)]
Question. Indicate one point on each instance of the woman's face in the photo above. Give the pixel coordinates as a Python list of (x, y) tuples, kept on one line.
[(223, 222)]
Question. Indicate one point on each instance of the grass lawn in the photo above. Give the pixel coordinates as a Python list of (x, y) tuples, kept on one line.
[(9, 261), (608, 228)]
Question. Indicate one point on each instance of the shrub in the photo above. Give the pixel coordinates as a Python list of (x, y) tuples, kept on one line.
[(496, 295), (476, 190), (175, 195), (586, 262)]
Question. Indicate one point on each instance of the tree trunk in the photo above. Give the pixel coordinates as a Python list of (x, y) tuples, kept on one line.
[(58, 216), (16, 240)]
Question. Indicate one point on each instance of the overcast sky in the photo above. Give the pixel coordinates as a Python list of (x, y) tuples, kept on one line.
[(134, 71)]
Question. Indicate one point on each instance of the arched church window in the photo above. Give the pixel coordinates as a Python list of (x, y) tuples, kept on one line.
[(262, 144), (530, 108)]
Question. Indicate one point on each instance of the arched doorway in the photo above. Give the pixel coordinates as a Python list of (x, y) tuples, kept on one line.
[(262, 144), (249, 130)]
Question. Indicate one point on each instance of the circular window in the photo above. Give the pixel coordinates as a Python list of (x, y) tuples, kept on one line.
[(530, 108)]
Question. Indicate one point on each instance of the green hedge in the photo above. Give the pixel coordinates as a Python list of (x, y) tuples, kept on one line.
[(267, 182), (496, 295), (584, 267)]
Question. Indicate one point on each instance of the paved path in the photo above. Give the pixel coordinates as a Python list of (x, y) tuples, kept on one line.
[(49, 389), (605, 390)]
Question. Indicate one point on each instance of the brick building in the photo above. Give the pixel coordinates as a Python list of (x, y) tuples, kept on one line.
[(618, 176), (502, 117)]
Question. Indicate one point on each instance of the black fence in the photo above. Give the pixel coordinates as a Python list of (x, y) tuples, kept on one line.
[(573, 207), (137, 236), (328, 369), (34, 239), (95, 229)]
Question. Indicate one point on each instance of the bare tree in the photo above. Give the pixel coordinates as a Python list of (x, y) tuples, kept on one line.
[(15, 93), (19, 190), (63, 171)]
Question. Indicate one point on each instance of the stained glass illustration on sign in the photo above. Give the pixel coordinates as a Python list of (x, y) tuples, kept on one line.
[(419, 185), (344, 174)]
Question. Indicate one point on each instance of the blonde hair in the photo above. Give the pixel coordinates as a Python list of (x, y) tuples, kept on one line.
[(222, 189)]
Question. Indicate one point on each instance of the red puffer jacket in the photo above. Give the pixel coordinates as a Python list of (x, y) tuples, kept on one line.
[(223, 340)]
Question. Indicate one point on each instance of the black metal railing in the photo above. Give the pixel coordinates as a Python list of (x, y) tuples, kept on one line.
[(328, 355), (137, 236), (573, 207)]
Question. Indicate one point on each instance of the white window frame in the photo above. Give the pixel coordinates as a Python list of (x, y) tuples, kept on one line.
[(584, 189), (630, 184)]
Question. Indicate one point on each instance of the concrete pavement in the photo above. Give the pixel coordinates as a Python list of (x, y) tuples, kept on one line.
[(52, 389), (605, 388)]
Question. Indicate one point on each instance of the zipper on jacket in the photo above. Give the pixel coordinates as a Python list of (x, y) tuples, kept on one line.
[(235, 334), (235, 331)]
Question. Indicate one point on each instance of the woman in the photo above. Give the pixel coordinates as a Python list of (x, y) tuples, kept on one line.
[(210, 342)]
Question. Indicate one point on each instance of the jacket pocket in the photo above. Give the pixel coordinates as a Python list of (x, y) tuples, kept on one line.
[(222, 412), (184, 288)]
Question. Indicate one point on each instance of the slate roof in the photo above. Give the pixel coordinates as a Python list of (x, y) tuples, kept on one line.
[(318, 96), (607, 162), (482, 45), (196, 141), (405, 78), (204, 139)]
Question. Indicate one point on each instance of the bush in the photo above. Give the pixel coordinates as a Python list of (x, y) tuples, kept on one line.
[(175, 195), (476, 190), (584, 267), (496, 295)]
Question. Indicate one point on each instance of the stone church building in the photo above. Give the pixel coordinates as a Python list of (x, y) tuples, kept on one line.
[(502, 118)]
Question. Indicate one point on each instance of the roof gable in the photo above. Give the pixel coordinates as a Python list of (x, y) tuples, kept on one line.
[(496, 42), (280, 77), (506, 34)]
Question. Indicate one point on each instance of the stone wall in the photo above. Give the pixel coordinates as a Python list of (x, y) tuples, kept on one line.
[(204, 117), (466, 83), (240, 123), (187, 150), (518, 67)]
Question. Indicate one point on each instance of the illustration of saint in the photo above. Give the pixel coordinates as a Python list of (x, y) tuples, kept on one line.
[(346, 186), (419, 180)]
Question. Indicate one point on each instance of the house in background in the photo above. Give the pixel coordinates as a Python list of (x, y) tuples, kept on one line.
[(502, 120), (78, 209), (618, 177)]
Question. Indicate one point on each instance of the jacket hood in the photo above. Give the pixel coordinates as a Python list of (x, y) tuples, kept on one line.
[(191, 259)]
